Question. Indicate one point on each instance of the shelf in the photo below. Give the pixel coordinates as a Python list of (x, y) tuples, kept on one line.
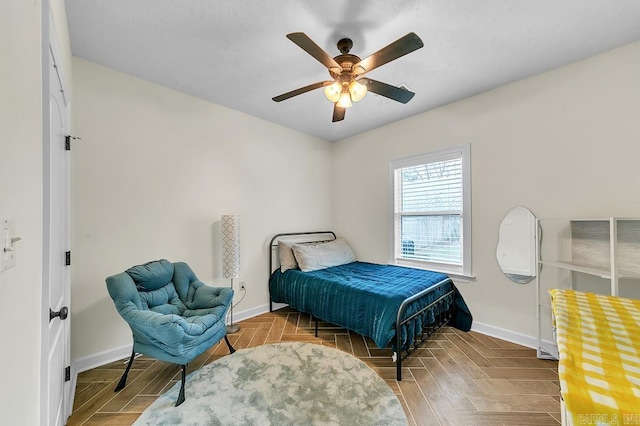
[(591, 270), (595, 246)]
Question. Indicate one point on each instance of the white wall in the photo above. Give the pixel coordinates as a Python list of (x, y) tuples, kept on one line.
[(21, 198), (152, 175), (564, 144)]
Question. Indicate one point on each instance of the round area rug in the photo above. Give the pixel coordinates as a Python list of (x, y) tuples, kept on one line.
[(280, 384)]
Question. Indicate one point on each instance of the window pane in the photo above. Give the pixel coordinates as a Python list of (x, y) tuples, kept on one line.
[(431, 238), (432, 187)]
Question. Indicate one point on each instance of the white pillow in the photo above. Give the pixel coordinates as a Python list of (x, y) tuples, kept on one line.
[(323, 255), (287, 259)]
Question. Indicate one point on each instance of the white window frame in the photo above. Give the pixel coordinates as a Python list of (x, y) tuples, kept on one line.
[(463, 152)]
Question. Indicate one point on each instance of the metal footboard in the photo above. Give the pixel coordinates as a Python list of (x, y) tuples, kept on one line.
[(442, 310)]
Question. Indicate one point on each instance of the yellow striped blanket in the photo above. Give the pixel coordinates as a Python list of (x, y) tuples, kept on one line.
[(599, 346)]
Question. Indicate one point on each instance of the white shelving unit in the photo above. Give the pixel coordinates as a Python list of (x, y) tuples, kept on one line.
[(571, 251)]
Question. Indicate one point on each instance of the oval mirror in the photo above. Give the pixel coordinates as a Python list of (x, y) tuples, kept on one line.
[(516, 252)]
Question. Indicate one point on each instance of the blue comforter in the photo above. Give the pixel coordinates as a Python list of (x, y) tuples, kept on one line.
[(363, 297)]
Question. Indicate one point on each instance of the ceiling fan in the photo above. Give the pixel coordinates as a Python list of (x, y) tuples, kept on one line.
[(347, 71)]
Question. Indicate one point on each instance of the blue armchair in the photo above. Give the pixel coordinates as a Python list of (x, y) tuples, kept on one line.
[(173, 316)]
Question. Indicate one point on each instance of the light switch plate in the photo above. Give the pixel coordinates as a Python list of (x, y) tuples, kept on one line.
[(7, 252)]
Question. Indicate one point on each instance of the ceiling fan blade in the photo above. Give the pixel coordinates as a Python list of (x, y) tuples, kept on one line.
[(338, 113), (309, 46), (395, 50), (301, 90), (388, 91)]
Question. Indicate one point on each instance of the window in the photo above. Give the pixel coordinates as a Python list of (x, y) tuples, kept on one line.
[(432, 211)]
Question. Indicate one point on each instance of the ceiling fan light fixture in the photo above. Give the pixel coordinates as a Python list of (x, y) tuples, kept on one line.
[(345, 100), (333, 91), (357, 90)]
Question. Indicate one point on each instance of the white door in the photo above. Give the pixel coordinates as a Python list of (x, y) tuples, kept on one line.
[(55, 246)]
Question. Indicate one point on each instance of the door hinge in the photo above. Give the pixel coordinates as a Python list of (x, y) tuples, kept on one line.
[(67, 260), (67, 142), (67, 373)]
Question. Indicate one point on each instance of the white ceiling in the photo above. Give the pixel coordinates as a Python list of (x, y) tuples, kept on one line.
[(235, 53)]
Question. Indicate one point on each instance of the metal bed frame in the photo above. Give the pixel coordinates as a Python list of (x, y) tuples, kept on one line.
[(442, 308)]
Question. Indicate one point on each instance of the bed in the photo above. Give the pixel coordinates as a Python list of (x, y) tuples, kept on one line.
[(599, 362), (394, 306)]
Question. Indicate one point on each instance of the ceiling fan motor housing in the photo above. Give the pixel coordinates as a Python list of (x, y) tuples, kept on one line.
[(345, 60)]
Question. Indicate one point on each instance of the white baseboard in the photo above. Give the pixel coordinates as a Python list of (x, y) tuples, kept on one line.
[(508, 335), (249, 313), (98, 360)]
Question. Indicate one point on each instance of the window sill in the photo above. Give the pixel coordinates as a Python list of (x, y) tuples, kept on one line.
[(458, 278), (455, 276)]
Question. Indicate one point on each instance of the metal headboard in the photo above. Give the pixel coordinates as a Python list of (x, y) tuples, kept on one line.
[(291, 235)]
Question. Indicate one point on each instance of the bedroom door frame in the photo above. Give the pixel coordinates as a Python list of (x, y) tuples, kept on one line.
[(55, 386)]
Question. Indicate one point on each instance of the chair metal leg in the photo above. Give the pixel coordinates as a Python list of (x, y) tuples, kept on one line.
[(184, 378), (231, 349), (123, 380)]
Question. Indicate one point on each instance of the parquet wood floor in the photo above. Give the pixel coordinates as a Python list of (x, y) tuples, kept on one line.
[(456, 378)]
